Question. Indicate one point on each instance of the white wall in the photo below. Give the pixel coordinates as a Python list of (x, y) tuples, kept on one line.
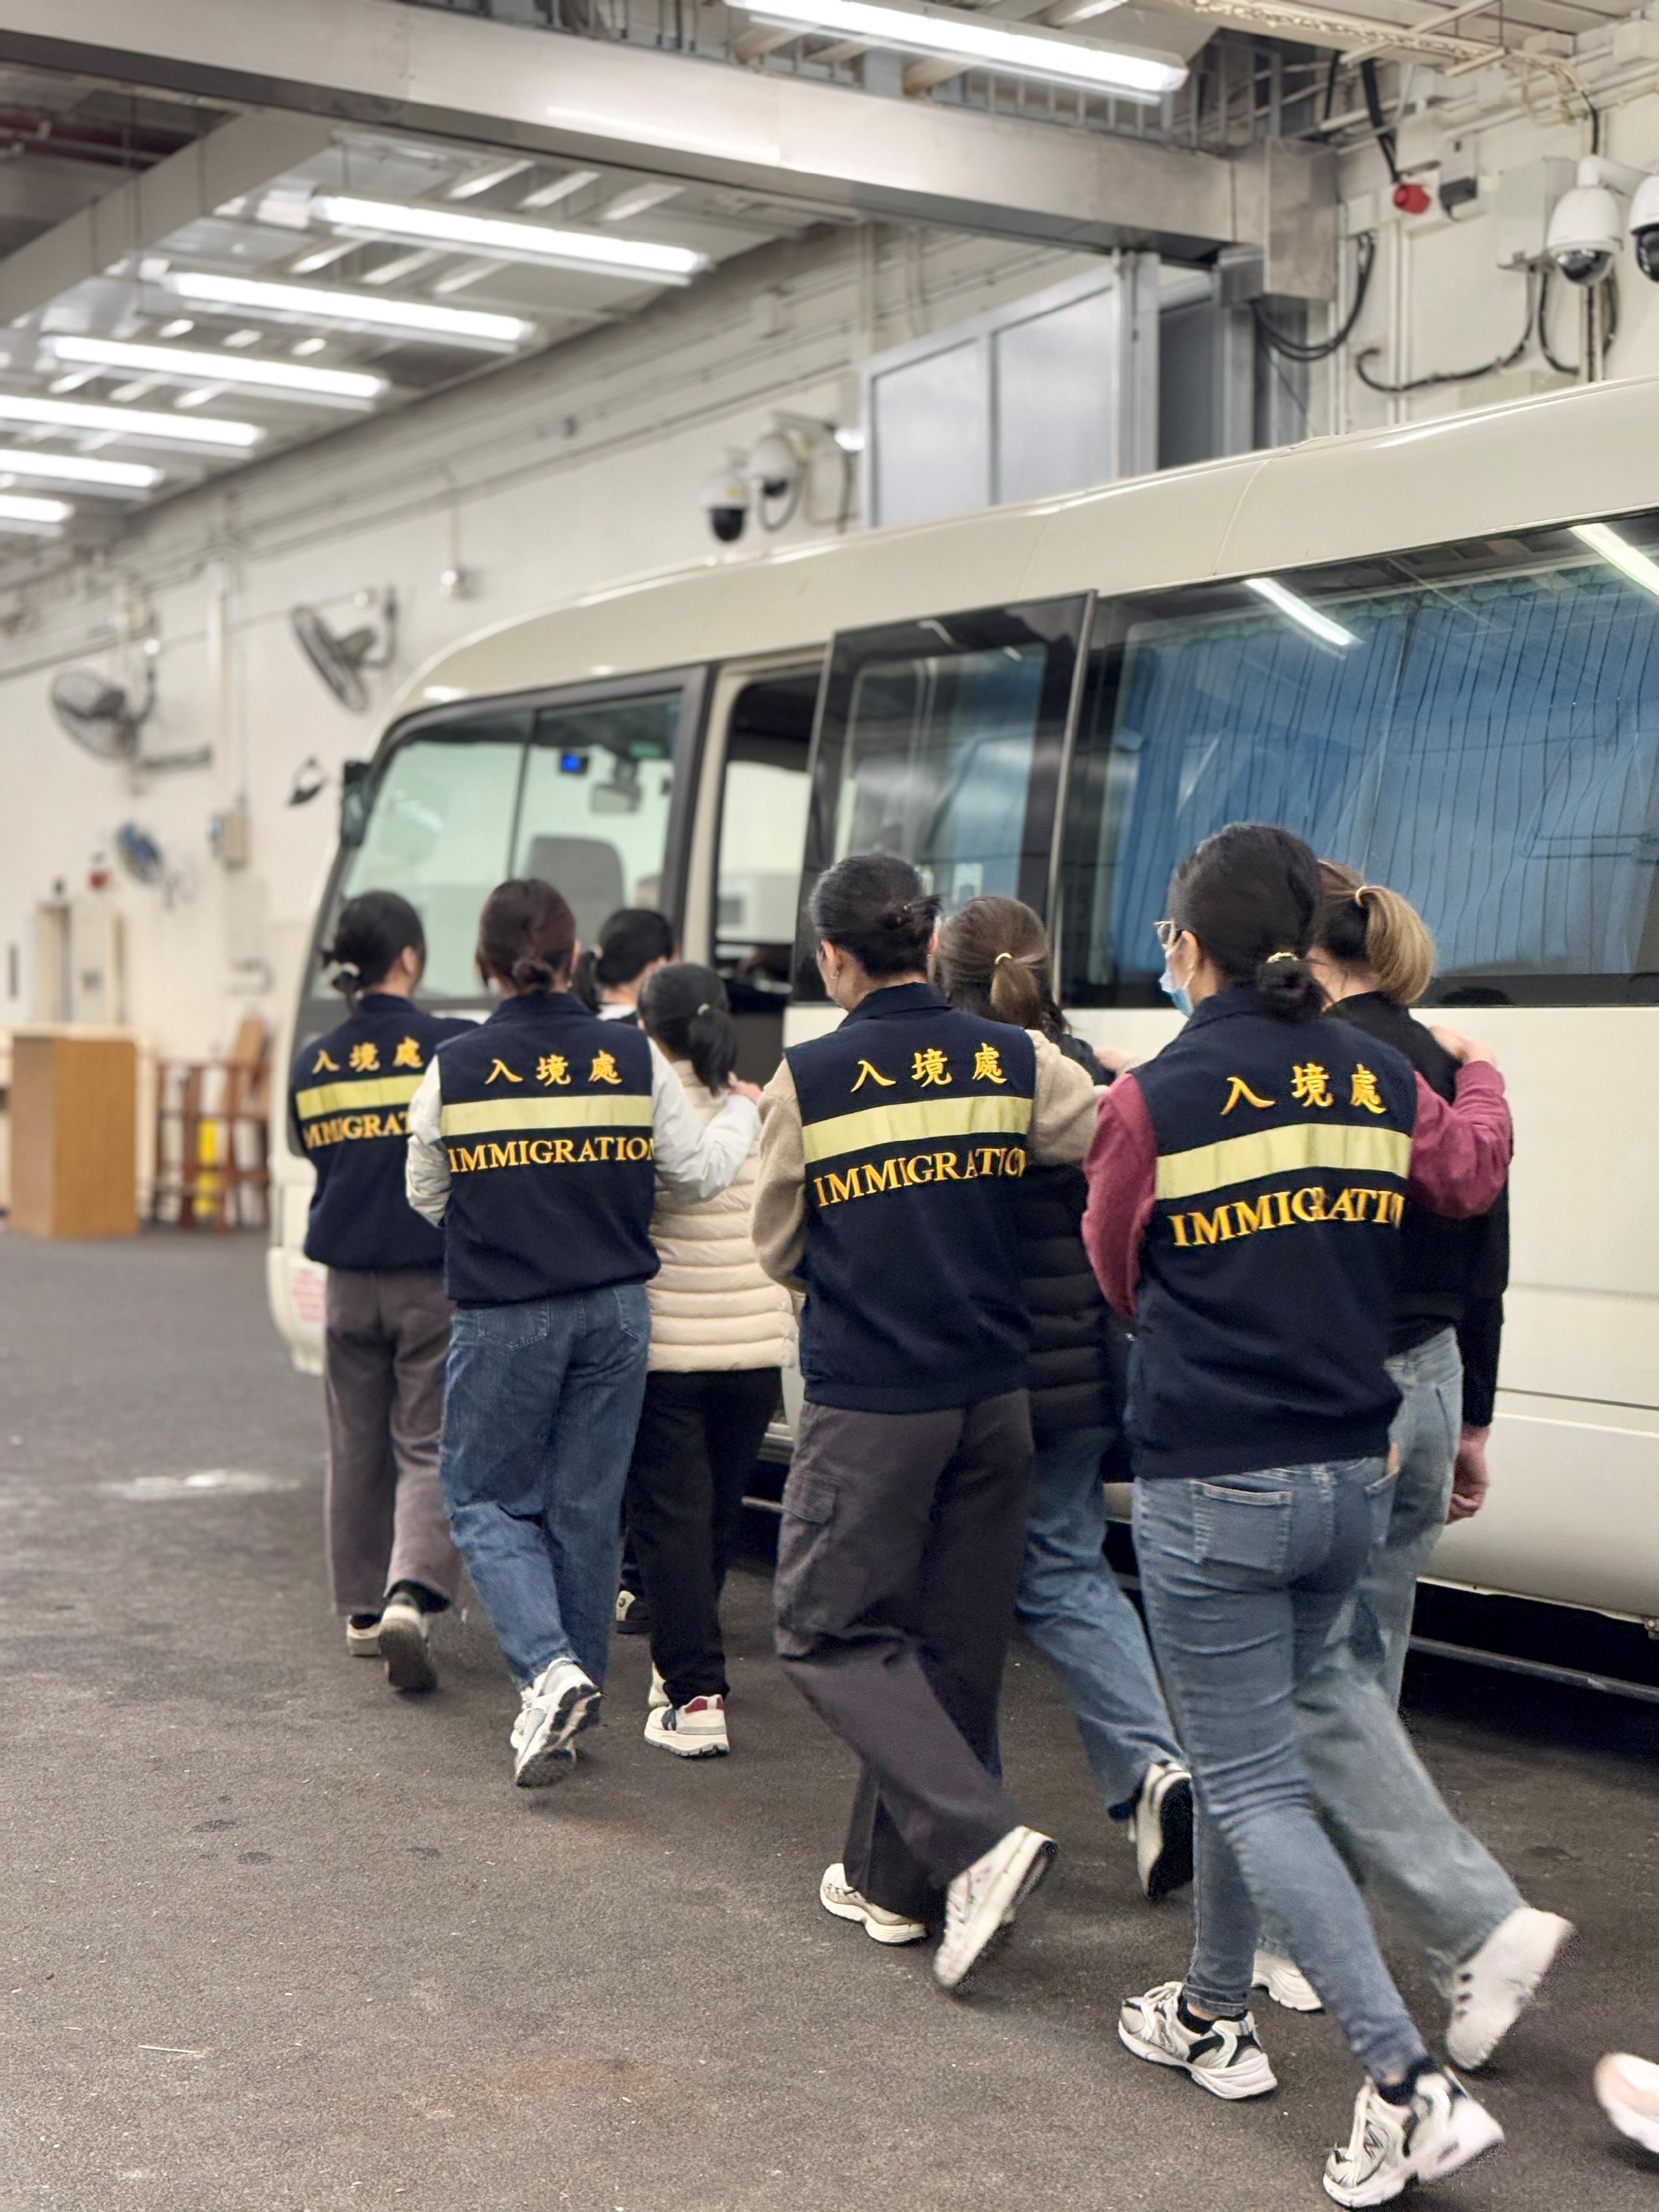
[(584, 466)]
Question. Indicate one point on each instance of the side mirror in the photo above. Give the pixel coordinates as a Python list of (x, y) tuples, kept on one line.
[(354, 800)]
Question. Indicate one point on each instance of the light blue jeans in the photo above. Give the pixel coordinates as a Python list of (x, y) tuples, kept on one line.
[(1390, 1821), (1247, 1580), (541, 1404), (1071, 1609)]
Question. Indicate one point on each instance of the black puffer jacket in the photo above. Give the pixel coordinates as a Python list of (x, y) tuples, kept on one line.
[(1078, 1349)]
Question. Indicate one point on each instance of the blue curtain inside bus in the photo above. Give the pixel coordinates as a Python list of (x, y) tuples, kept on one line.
[(1489, 749)]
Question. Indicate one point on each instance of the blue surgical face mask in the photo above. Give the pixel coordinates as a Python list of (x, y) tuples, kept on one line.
[(1176, 993)]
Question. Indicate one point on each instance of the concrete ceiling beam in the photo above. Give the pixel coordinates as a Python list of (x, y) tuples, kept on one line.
[(241, 156), (380, 64)]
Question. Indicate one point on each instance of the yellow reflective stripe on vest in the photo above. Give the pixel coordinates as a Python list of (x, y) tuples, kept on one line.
[(352, 1097), (1282, 1152), (627, 1110), (923, 1117)]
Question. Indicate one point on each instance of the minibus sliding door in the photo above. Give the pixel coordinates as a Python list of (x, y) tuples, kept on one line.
[(944, 740)]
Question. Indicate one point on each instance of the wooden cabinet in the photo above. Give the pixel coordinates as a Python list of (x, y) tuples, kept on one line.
[(73, 1116)]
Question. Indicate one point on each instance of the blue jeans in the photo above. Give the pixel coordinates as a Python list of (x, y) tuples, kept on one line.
[(1390, 1821), (1071, 1609), (1247, 1580), (541, 1404)]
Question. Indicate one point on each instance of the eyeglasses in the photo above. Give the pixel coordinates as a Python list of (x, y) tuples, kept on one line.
[(1167, 932)]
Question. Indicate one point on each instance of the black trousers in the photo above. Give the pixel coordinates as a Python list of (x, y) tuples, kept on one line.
[(898, 1560), (694, 1454)]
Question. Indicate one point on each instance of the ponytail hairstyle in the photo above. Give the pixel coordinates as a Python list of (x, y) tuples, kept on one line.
[(631, 940), (992, 958), (683, 1007), (526, 934), (1249, 895), (1366, 926), (372, 930), (872, 906)]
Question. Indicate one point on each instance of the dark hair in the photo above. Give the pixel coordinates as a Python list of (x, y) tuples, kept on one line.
[(629, 941), (1362, 925), (527, 933), (873, 905), (369, 933), (992, 958), (683, 1007), (1249, 895)]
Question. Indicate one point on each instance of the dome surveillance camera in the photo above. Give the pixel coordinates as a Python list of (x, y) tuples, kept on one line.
[(1644, 227), (725, 503), (1584, 234)]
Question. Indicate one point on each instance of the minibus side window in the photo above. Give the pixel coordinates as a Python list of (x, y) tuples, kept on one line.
[(1476, 726)]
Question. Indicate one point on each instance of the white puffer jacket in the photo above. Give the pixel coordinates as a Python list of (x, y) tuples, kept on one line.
[(713, 1305)]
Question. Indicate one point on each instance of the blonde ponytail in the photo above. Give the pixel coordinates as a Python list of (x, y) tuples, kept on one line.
[(1362, 925)]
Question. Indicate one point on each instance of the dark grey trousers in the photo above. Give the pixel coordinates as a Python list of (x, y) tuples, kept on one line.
[(385, 1339), (899, 1555)]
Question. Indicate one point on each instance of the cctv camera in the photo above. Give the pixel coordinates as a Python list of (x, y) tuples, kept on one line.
[(1644, 228), (725, 503), (1584, 234)]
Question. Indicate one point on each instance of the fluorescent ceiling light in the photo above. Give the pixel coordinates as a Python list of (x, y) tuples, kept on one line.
[(309, 264), (481, 180), (125, 421), (1620, 553), (1048, 55), (16, 507), (312, 303), (505, 238), (311, 345), (177, 328), (71, 468), (562, 188), (1298, 611), (636, 201), (171, 364)]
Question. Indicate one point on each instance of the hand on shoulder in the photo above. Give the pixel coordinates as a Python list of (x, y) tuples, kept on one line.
[(1467, 1051)]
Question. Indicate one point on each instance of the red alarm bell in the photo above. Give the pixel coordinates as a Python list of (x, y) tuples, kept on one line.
[(1410, 198)]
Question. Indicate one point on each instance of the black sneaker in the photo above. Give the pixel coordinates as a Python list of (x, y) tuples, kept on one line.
[(403, 1644), (633, 1615)]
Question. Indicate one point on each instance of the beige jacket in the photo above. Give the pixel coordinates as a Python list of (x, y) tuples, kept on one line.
[(1063, 1112), (713, 1306)]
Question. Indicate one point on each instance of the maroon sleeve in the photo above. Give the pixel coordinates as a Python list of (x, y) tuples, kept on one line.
[(1460, 1153), (1122, 1171)]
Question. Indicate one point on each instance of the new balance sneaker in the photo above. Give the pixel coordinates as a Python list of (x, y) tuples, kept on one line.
[(363, 1635), (403, 1645), (1491, 1991), (837, 1895), (1222, 2055), (695, 1729), (1627, 2090), (1285, 1982), (1437, 2131), (633, 1615), (1161, 1829), (981, 1903), (658, 1694), (557, 1706)]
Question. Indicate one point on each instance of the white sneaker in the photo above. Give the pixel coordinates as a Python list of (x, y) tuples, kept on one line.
[(1224, 2057), (695, 1729), (1439, 2131), (1628, 2091), (1161, 1829), (560, 1703), (837, 1895), (659, 1692), (1491, 1991), (404, 1646), (363, 1641), (981, 1903), (1285, 1982)]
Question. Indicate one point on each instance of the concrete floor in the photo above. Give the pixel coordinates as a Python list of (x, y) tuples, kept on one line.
[(272, 1938)]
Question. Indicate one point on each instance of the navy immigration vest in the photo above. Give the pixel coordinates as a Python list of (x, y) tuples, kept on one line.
[(349, 1093), (914, 1124), (1269, 1264), (546, 1119)]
